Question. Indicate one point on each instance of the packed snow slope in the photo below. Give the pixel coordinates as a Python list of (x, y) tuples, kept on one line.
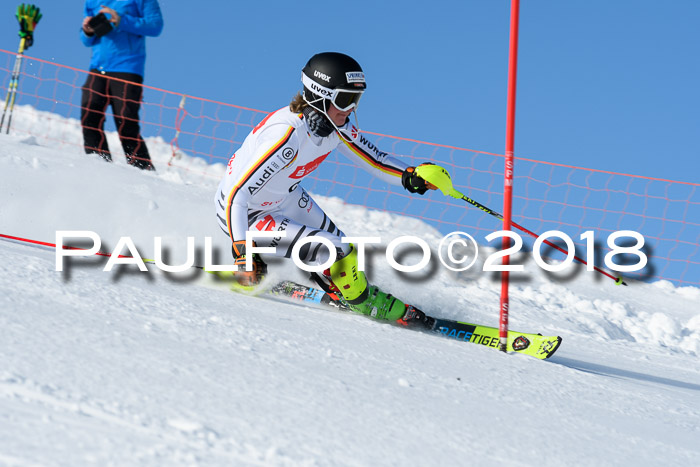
[(146, 368)]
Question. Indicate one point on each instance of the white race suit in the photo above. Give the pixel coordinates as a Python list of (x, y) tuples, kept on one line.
[(261, 189)]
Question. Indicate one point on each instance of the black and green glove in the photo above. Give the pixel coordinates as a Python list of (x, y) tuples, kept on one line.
[(28, 17), (415, 183)]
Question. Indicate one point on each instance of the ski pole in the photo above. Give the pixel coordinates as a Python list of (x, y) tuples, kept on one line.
[(439, 177), (12, 88), (28, 16)]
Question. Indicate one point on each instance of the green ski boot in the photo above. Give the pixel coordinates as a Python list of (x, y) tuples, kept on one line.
[(359, 295), (380, 305)]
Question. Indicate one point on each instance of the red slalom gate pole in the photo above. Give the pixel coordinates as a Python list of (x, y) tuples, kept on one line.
[(508, 174)]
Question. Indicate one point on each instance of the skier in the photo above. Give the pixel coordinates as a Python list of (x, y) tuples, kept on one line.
[(261, 189)]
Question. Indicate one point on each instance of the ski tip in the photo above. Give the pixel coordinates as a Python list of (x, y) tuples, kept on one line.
[(554, 348)]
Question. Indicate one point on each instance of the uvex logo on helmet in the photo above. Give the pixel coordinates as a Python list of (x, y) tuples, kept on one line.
[(320, 89), (323, 76)]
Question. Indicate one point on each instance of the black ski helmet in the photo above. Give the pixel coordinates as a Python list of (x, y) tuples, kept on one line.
[(325, 77)]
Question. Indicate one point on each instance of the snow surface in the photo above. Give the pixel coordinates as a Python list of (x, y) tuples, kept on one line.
[(132, 368)]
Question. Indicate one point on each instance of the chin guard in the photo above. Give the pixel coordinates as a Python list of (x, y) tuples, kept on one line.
[(318, 123)]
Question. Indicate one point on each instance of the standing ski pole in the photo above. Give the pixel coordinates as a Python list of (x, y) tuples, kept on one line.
[(439, 177), (28, 16)]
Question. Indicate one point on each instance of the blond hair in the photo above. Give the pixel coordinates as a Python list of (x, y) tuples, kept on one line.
[(298, 104)]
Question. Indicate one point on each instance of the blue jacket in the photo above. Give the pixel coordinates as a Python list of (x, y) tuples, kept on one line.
[(124, 48)]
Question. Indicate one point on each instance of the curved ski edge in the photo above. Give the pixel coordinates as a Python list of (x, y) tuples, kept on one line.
[(541, 347), (554, 349)]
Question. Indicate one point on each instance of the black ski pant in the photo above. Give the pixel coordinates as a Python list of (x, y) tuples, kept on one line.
[(99, 91)]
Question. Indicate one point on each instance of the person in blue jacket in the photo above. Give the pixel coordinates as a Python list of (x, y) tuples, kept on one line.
[(116, 31)]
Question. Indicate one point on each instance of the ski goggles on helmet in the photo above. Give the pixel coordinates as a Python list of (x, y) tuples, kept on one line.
[(342, 99)]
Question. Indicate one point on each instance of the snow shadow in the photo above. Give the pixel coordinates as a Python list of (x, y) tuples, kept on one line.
[(604, 370)]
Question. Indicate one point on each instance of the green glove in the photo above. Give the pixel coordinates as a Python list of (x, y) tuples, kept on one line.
[(28, 16)]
